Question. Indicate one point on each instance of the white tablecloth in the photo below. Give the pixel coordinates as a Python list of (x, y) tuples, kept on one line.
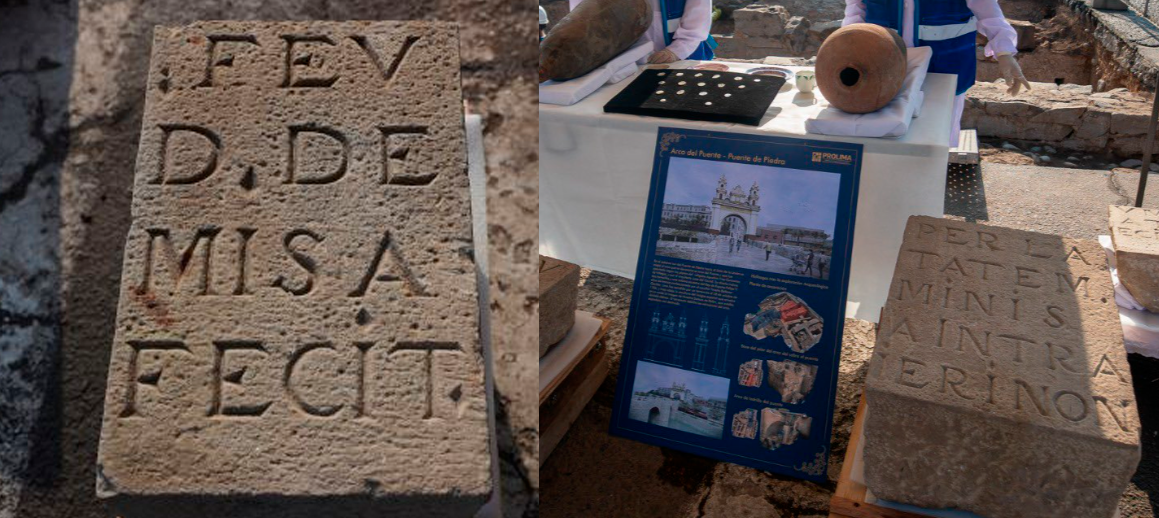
[(595, 169)]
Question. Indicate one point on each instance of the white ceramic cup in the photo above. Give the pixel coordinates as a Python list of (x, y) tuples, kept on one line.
[(806, 80)]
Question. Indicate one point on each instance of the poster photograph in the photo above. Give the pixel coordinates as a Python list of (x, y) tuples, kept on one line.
[(738, 306), (770, 219)]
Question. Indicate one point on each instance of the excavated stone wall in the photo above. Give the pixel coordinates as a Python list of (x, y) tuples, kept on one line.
[(1070, 117)]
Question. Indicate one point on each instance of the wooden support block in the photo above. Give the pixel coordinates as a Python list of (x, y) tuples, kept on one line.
[(566, 355), (571, 396)]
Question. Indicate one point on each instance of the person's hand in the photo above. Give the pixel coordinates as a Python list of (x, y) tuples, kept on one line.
[(662, 56), (1009, 70)]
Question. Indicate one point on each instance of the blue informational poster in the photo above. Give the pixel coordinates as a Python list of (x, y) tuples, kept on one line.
[(734, 333)]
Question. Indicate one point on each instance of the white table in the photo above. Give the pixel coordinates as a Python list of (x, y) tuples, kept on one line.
[(595, 169)]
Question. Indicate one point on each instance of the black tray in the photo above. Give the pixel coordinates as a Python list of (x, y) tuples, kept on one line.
[(707, 95)]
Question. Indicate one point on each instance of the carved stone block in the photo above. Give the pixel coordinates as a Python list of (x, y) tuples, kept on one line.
[(1135, 232), (558, 289), (999, 383), (298, 309)]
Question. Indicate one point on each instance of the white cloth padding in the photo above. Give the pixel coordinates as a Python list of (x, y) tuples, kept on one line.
[(567, 93)]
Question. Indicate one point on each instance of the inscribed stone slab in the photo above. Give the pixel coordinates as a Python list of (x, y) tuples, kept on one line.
[(999, 383), (298, 310), (1135, 233)]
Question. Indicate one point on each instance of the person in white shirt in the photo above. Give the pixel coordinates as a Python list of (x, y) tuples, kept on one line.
[(679, 30), (948, 27)]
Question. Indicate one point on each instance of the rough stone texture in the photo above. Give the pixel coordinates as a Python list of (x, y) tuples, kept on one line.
[(101, 90), (761, 21), (1069, 117), (759, 30), (34, 132), (558, 285), (1127, 50), (298, 311), (1052, 47), (815, 10), (999, 371), (1135, 232), (1026, 34)]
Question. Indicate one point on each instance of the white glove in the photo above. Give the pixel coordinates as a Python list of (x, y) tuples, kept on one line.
[(662, 56), (1010, 71)]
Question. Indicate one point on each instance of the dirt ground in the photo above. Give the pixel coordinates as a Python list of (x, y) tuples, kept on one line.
[(592, 473)]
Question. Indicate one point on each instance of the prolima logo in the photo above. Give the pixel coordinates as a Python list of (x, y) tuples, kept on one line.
[(832, 158)]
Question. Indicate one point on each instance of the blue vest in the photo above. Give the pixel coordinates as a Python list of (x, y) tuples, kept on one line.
[(946, 26), (673, 10)]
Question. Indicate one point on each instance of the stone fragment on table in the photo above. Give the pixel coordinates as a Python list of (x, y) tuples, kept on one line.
[(1135, 234)]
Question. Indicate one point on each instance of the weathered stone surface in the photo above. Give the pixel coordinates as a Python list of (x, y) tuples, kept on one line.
[(999, 372), (558, 288), (1095, 124), (298, 310), (1068, 117), (797, 34), (761, 21), (1026, 34), (1129, 123), (34, 107), (1135, 232)]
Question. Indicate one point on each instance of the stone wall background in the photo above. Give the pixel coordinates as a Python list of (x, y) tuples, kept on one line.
[(1069, 117), (72, 76)]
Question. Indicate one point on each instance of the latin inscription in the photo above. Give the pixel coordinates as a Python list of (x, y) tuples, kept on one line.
[(1135, 222), (315, 154), (214, 261), (186, 264), (303, 62), (299, 312), (234, 364), (990, 295)]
